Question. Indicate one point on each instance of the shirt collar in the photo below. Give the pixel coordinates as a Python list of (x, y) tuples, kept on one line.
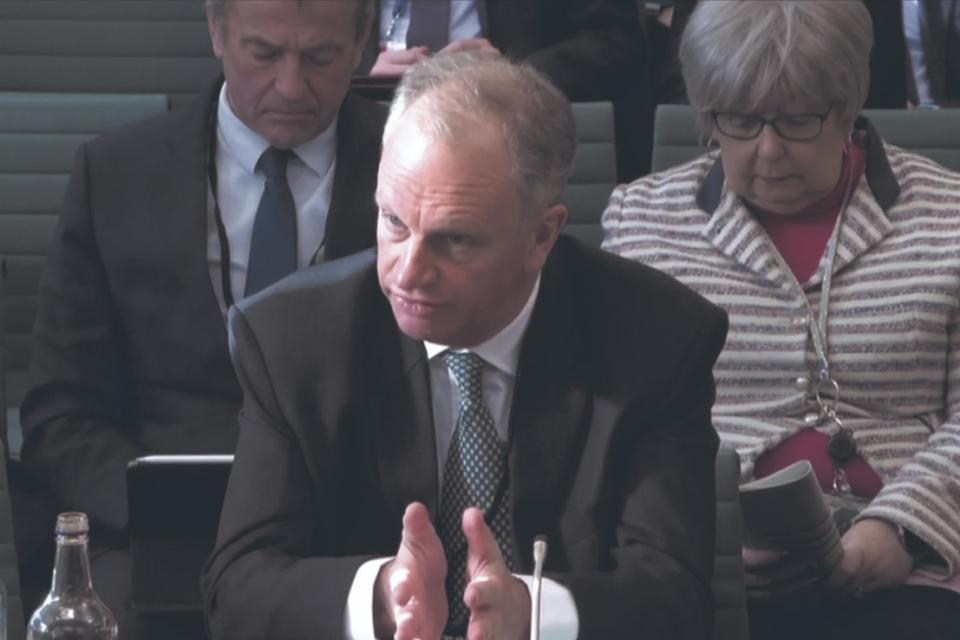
[(502, 350), (246, 145)]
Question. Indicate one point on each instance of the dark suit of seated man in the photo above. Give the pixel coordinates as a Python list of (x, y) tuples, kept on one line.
[(162, 229), (413, 418)]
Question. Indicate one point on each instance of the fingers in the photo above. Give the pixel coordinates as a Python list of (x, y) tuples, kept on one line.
[(471, 44), (849, 576), (756, 558), (395, 62), (419, 602), (482, 548)]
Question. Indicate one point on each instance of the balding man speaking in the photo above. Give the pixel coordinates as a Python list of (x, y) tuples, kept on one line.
[(413, 417)]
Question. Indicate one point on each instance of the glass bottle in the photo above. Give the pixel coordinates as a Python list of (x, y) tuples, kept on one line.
[(72, 610)]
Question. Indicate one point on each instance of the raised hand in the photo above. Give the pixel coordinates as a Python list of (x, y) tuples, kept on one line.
[(499, 603), (410, 601)]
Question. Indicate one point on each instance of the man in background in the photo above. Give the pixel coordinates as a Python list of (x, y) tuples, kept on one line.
[(165, 225)]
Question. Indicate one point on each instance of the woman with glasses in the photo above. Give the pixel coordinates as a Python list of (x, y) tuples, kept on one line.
[(837, 258)]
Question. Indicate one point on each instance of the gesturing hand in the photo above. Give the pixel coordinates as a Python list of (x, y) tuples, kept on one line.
[(410, 601), (499, 603)]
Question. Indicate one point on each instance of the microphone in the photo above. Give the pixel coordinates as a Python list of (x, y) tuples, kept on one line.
[(539, 556)]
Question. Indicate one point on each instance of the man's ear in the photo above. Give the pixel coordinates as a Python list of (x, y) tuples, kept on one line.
[(217, 29), (545, 232)]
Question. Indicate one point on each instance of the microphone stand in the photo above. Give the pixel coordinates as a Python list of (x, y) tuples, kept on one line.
[(539, 556)]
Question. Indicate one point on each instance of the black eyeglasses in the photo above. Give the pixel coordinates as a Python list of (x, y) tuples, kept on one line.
[(800, 127)]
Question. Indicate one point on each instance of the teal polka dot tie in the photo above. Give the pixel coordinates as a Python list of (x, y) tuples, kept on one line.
[(475, 475)]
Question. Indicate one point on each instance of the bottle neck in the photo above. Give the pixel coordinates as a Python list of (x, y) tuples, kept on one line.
[(71, 569)]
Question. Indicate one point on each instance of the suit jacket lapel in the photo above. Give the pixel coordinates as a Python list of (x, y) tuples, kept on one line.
[(400, 421), (549, 416)]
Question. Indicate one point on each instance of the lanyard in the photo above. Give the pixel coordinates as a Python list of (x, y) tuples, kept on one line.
[(398, 8), (841, 447), (217, 216)]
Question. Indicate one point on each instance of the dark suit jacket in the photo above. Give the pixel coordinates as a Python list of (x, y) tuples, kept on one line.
[(610, 440), (591, 49), (130, 346)]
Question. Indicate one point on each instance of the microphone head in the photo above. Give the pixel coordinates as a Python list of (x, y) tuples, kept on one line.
[(539, 548)]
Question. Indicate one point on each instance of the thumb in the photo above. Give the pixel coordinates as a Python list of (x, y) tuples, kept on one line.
[(482, 548), (419, 536)]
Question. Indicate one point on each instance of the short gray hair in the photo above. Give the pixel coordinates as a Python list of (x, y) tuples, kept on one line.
[(737, 55), (464, 89), (218, 8)]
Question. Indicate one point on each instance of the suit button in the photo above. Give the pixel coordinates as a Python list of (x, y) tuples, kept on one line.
[(802, 383), (811, 418)]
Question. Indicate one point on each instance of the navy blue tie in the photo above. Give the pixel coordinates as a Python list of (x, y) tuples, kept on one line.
[(273, 247)]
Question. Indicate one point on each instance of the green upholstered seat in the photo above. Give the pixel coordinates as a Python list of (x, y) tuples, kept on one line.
[(729, 593), (39, 134), (8, 559), (106, 46), (594, 172), (934, 133)]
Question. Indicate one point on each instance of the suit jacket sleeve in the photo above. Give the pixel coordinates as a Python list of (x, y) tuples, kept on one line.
[(77, 415), (262, 581), (663, 546), (600, 57)]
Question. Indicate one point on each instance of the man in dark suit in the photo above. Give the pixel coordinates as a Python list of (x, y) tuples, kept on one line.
[(412, 418), (160, 232), (591, 49)]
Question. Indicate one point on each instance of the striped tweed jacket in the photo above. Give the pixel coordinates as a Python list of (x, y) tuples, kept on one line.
[(894, 326)]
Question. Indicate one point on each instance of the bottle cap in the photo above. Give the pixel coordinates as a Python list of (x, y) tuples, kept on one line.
[(72, 522)]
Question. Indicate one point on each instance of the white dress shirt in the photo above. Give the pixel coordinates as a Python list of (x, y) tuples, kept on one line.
[(464, 21), (559, 620), (240, 186)]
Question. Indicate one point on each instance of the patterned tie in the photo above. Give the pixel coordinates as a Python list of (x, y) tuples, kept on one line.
[(273, 246), (429, 24), (473, 476)]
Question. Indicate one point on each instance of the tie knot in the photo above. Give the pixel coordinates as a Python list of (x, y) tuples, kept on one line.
[(467, 368), (273, 163)]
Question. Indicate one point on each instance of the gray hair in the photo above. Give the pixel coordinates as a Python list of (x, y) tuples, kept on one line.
[(461, 90), (738, 55), (218, 8)]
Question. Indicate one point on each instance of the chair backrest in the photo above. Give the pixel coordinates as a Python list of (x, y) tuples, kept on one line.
[(934, 133), (39, 134), (594, 172), (8, 559), (106, 46), (729, 593)]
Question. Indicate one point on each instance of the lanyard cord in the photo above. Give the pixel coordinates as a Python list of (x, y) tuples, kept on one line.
[(217, 216)]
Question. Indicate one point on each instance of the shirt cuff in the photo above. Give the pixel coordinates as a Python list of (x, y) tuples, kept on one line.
[(358, 617), (558, 611)]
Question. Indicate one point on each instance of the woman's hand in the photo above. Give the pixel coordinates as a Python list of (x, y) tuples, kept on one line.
[(873, 558), (778, 575)]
